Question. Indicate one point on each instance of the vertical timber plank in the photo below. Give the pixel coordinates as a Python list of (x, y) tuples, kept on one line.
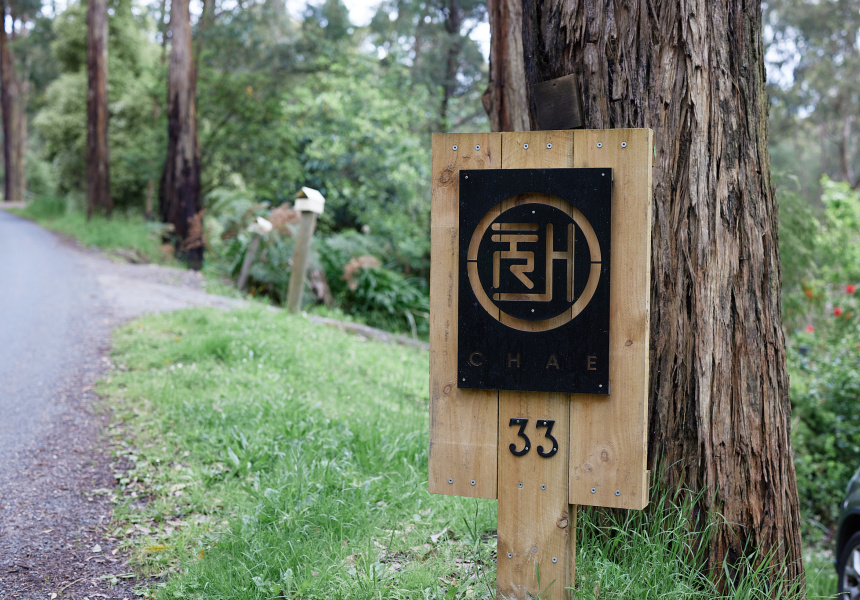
[(537, 526), (463, 423), (609, 434)]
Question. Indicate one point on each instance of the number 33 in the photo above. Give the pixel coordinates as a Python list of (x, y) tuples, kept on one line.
[(521, 423)]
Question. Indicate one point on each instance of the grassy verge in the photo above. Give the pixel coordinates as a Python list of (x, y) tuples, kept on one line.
[(267, 457), (124, 234)]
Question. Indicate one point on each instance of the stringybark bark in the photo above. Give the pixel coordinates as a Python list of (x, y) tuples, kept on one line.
[(693, 71), (98, 160), (14, 115), (180, 181)]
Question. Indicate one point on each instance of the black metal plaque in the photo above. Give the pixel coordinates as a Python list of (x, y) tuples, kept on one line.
[(534, 280)]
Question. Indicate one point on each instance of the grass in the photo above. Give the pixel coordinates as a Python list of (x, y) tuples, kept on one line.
[(261, 456), (125, 233)]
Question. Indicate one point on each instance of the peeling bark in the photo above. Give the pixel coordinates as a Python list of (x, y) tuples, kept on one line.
[(693, 71)]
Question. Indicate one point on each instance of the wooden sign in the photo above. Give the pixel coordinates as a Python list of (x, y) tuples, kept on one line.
[(539, 452)]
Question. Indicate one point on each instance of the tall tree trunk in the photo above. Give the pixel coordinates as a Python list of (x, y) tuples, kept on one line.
[(505, 99), (693, 71), (453, 23), (12, 99), (98, 163), (180, 181)]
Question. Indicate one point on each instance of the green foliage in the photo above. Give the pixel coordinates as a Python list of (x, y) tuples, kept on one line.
[(354, 142), (134, 87), (823, 353), (389, 300)]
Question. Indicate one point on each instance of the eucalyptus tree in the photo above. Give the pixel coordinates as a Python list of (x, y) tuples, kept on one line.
[(719, 405), (14, 90), (433, 37), (815, 51), (179, 193), (98, 162)]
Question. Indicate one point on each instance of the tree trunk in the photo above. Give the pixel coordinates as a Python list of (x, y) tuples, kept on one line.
[(694, 73), (14, 126), (505, 99), (98, 163), (180, 181)]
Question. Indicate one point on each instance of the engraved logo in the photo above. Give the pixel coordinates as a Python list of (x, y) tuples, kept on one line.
[(534, 262)]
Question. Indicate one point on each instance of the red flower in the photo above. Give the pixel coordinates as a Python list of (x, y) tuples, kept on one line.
[(810, 329), (837, 311), (850, 288)]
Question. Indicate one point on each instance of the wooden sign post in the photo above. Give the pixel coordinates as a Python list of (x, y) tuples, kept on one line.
[(539, 310)]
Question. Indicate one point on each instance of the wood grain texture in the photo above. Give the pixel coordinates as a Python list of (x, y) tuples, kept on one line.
[(534, 523), (609, 434), (463, 423)]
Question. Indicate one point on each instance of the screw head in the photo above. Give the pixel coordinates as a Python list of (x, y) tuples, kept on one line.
[(454, 147), (525, 146), (473, 482), (450, 480), (617, 492), (543, 486), (593, 490), (477, 146), (600, 144), (623, 144), (520, 484), (549, 146), (554, 559), (510, 555)]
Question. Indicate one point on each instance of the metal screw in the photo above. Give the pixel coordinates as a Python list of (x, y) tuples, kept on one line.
[(543, 486), (600, 144), (593, 490), (450, 480), (623, 144), (473, 482), (549, 146), (554, 559), (477, 146), (525, 146), (510, 555), (454, 147), (617, 492), (521, 484)]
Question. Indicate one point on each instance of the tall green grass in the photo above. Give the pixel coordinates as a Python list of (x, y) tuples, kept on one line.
[(127, 232), (267, 457)]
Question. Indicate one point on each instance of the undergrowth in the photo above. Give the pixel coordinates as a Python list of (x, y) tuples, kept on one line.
[(272, 458)]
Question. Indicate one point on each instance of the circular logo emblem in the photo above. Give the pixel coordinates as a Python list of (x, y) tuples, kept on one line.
[(534, 262)]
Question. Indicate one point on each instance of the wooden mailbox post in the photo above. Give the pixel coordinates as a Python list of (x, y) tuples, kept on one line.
[(309, 203), (539, 317)]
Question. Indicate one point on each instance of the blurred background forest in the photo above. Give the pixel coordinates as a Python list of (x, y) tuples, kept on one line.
[(286, 99)]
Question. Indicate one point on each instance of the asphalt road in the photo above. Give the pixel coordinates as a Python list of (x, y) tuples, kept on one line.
[(58, 304), (49, 302)]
